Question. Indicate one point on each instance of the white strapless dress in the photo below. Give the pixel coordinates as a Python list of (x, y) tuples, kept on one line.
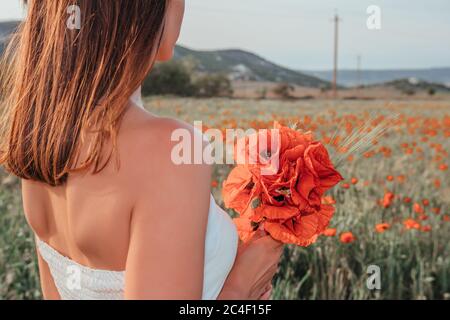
[(220, 251)]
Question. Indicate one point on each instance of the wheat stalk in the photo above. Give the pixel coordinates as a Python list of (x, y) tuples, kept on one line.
[(360, 141)]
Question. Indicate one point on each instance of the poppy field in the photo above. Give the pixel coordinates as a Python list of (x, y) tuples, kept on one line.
[(390, 235)]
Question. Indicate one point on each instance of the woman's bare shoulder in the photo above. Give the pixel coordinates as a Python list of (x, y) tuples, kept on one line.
[(155, 137), (150, 149)]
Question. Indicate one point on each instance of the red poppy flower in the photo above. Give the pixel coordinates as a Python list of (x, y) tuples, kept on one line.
[(347, 237), (382, 227), (289, 200), (387, 200), (411, 224), (330, 232)]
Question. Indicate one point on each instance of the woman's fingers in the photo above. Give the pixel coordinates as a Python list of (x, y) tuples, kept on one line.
[(264, 283), (267, 293), (266, 296), (266, 279), (268, 288), (263, 251)]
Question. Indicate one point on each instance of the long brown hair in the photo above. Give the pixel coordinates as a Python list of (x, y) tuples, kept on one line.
[(59, 81)]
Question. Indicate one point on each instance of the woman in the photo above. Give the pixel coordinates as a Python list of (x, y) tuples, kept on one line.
[(114, 217)]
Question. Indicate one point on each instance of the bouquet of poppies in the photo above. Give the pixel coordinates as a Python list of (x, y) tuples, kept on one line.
[(281, 189)]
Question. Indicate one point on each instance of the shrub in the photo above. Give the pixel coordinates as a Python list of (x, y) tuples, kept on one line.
[(171, 78), (214, 85), (284, 90)]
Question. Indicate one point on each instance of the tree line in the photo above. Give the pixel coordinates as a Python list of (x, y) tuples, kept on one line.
[(179, 78)]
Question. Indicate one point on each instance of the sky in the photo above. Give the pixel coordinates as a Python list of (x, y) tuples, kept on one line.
[(299, 33)]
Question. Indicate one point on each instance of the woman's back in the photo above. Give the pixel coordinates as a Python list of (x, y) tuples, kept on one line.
[(88, 222), (88, 218)]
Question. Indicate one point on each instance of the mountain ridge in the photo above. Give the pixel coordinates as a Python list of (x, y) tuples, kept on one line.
[(239, 64), (349, 78)]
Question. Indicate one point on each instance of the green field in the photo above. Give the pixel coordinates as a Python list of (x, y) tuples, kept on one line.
[(410, 162)]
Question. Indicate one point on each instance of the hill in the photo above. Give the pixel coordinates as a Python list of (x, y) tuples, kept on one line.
[(247, 66), (413, 85), (6, 28), (369, 77)]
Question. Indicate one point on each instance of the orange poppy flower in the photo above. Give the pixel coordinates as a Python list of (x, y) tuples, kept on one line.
[(274, 213), (238, 189), (354, 180), (437, 183), (387, 200), (330, 232), (411, 224), (288, 201), (301, 230), (328, 200), (418, 208), (436, 210), (382, 227), (347, 237), (426, 229), (245, 228)]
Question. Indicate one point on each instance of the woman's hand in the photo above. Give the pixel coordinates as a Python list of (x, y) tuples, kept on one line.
[(255, 265)]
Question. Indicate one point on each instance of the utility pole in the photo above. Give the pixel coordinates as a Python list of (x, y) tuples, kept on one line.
[(358, 73), (336, 21)]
